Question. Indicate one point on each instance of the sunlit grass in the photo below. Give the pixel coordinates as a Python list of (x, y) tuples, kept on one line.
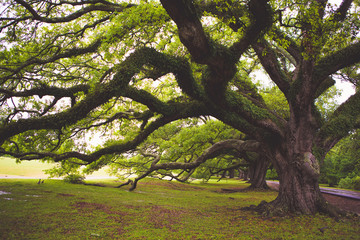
[(8, 166), (34, 169), (155, 210)]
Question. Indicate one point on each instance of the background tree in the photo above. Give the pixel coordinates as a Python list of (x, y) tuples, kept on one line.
[(342, 164), (70, 69), (184, 142)]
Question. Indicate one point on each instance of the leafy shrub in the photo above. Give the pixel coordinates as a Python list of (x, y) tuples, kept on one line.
[(356, 182), (271, 174), (345, 183), (350, 183), (74, 178)]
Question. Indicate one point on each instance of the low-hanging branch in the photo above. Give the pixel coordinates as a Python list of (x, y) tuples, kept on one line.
[(344, 120), (115, 88), (187, 111), (338, 60), (213, 151), (46, 91)]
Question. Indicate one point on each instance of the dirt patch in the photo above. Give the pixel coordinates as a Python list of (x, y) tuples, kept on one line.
[(172, 185), (242, 189), (113, 215), (95, 184), (65, 195), (45, 191), (90, 207), (346, 204), (86, 207), (162, 217)]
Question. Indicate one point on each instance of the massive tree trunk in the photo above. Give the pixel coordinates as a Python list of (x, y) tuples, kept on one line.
[(299, 190), (298, 171), (257, 174), (231, 173)]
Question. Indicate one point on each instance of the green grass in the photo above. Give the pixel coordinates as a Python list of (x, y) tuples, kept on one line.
[(8, 166), (155, 210), (33, 169)]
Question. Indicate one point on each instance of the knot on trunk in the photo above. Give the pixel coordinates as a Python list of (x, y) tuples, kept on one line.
[(310, 165)]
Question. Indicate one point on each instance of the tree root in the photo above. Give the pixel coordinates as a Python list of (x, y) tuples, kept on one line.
[(247, 189), (126, 183), (278, 209), (268, 209)]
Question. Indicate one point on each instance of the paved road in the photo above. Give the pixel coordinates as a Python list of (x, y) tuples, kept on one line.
[(337, 192)]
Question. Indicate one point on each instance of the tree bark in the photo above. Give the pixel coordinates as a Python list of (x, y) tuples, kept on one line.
[(231, 173), (257, 172), (299, 190)]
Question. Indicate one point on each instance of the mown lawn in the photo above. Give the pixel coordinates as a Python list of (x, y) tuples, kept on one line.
[(155, 210), (8, 166), (34, 168)]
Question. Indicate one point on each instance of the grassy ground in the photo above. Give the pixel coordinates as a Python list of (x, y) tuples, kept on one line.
[(33, 169), (9, 166), (155, 210)]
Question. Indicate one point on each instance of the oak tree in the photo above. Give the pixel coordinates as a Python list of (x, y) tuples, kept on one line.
[(123, 69)]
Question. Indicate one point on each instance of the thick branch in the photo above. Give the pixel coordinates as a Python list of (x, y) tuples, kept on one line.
[(336, 61), (115, 88), (261, 19), (272, 66), (189, 110), (344, 120), (191, 32), (256, 115), (211, 152), (45, 90), (98, 7), (340, 13), (66, 54)]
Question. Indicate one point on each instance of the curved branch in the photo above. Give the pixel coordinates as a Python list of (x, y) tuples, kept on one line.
[(270, 63), (221, 60), (46, 90), (340, 13), (98, 7), (336, 61), (191, 32), (103, 92), (213, 151), (261, 20), (345, 119), (249, 116), (66, 54), (189, 110)]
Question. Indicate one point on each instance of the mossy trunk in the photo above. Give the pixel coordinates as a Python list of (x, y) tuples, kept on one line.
[(297, 167), (299, 190)]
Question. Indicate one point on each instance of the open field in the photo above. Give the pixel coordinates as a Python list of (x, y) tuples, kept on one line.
[(155, 210), (8, 166), (32, 169)]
